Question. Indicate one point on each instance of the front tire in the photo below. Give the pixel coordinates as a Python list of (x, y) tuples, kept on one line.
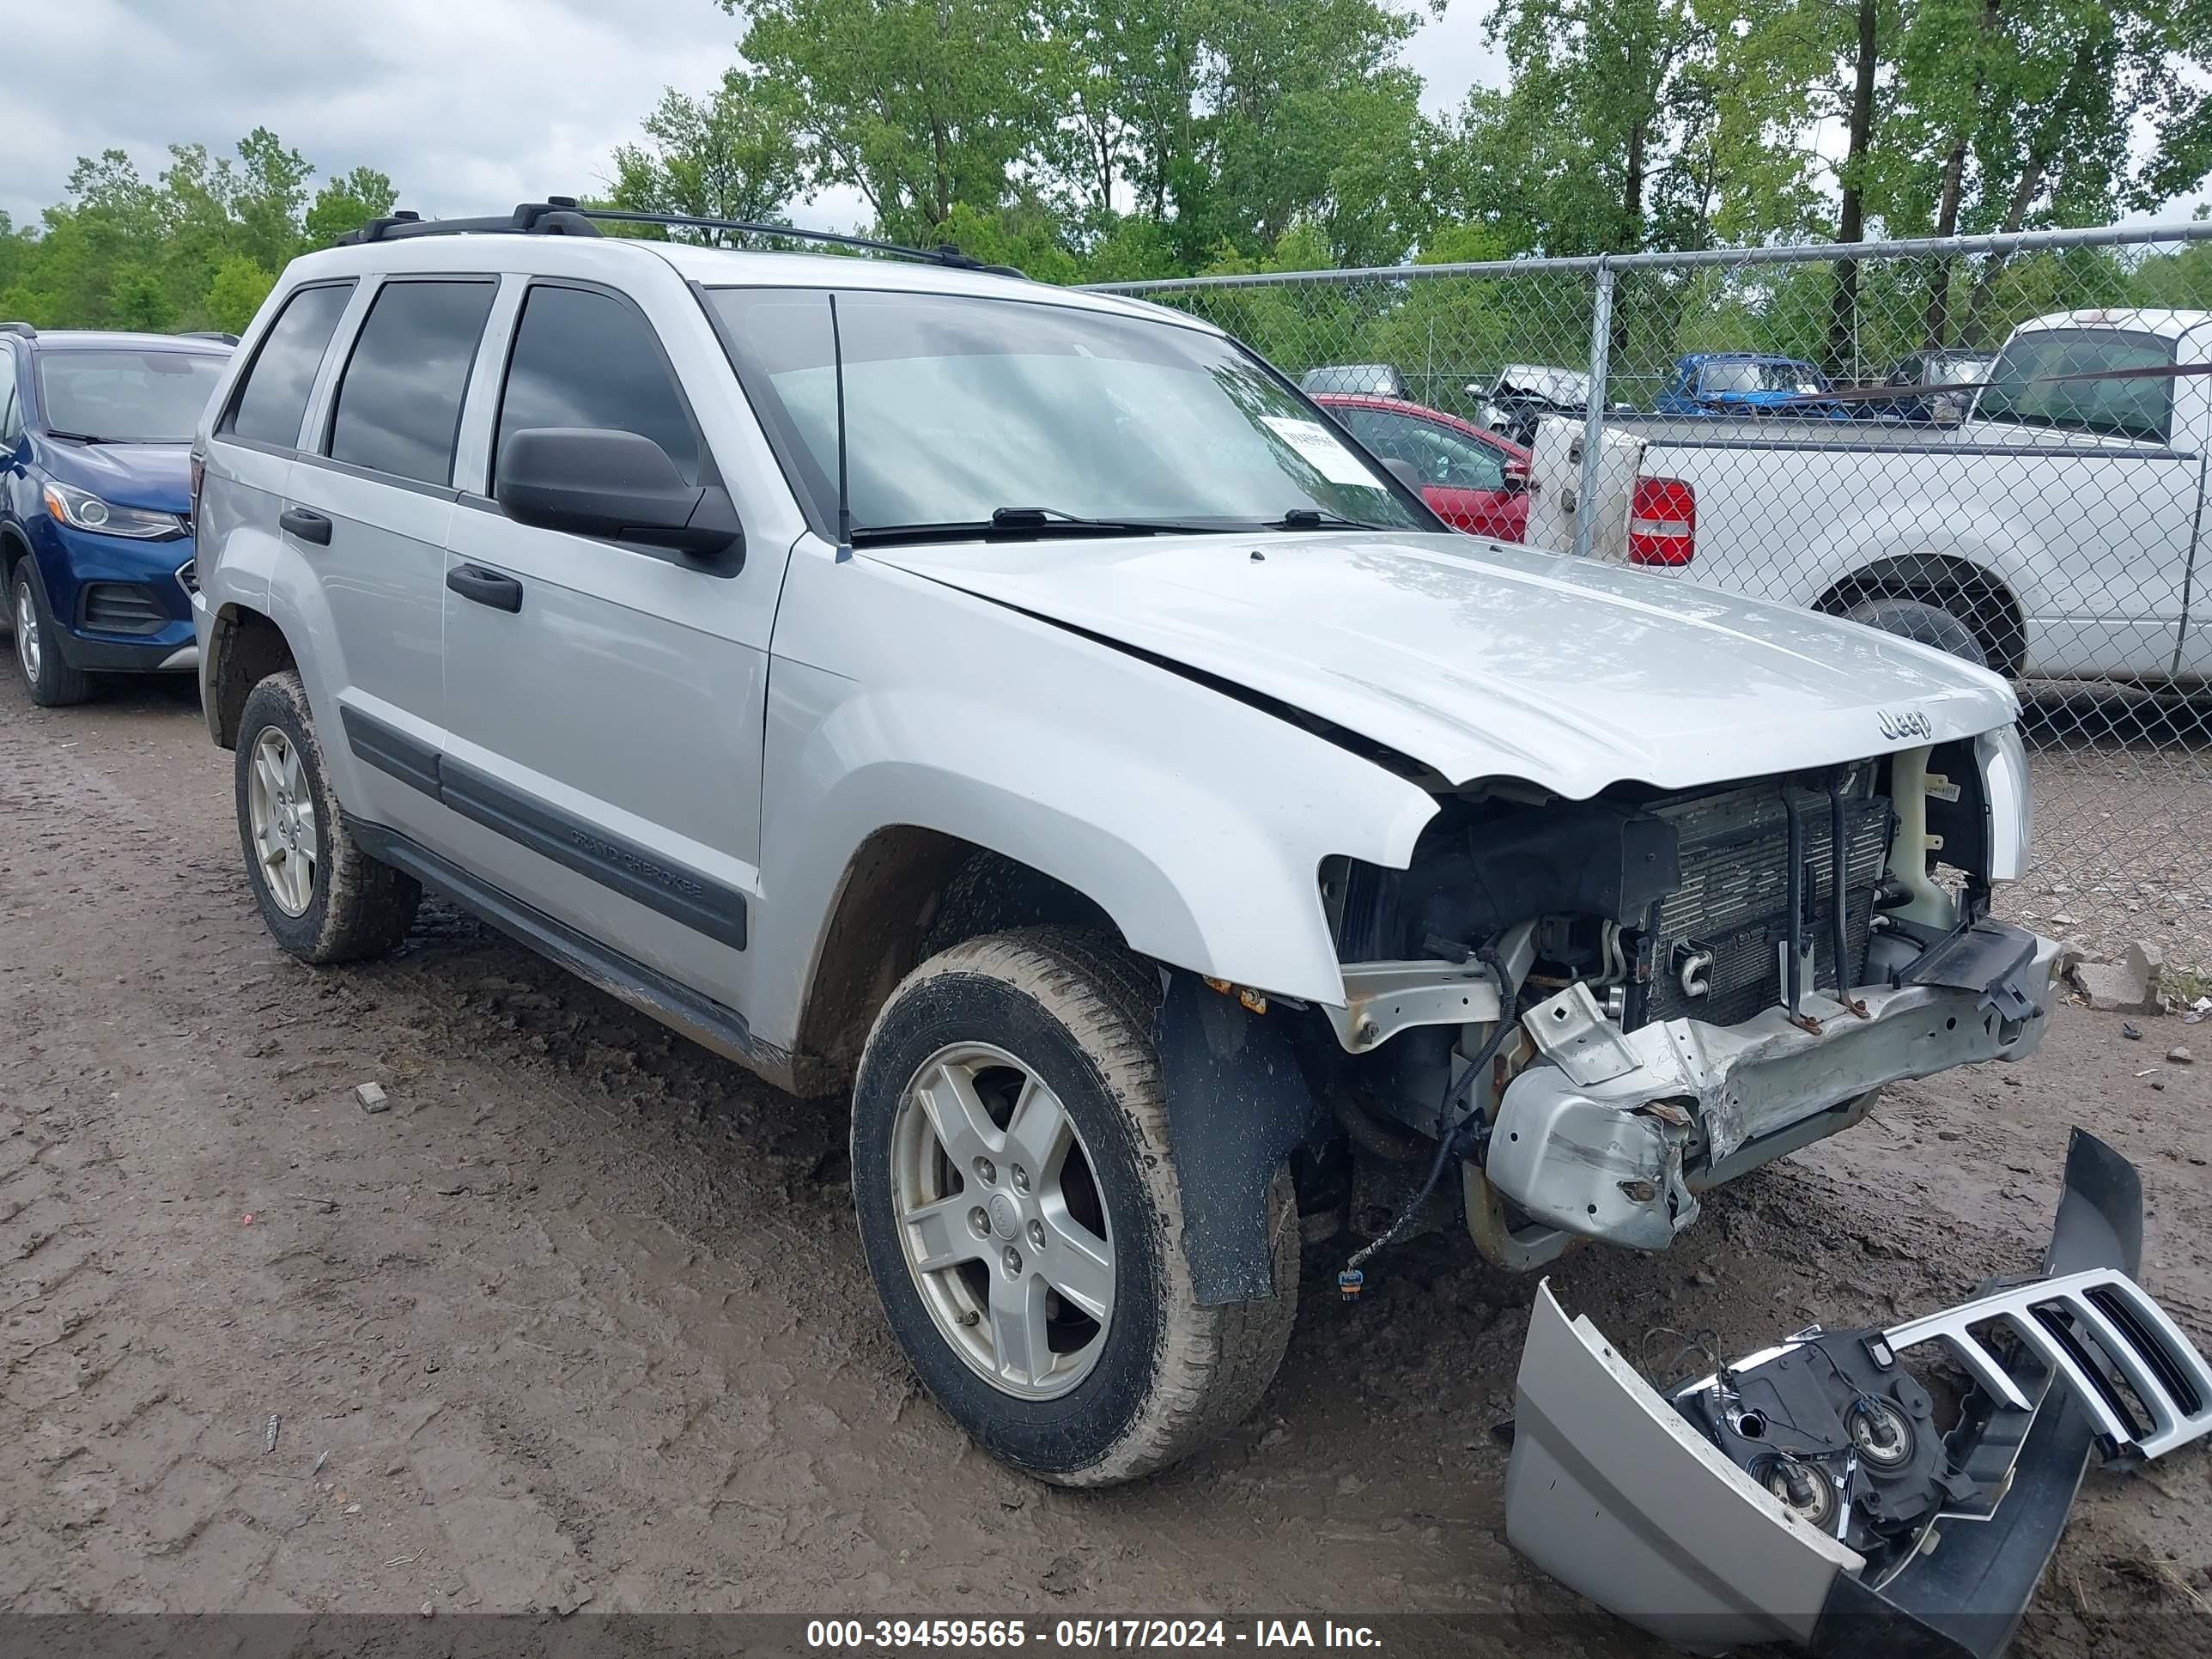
[(322, 898), (1022, 1213), (52, 683)]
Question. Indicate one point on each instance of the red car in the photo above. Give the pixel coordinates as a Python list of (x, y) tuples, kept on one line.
[(1475, 480)]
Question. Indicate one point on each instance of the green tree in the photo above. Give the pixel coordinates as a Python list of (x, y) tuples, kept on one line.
[(733, 155), (347, 203), (920, 104), (239, 287)]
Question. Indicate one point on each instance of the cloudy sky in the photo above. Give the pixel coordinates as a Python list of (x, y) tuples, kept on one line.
[(472, 105)]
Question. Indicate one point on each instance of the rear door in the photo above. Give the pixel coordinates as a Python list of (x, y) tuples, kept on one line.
[(368, 505), (250, 452), (605, 700)]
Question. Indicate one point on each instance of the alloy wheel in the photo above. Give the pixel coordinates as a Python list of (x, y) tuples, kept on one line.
[(27, 631), (1002, 1221), (281, 810)]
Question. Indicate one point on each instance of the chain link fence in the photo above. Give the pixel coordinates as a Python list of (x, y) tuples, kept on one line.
[(1993, 444)]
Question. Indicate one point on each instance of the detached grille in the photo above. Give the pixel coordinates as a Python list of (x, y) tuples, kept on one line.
[(122, 608), (1735, 897)]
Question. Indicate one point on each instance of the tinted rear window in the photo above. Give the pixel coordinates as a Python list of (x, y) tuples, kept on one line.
[(274, 399), (2079, 380), (399, 403)]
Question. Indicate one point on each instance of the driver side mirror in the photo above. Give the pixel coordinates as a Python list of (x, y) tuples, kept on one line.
[(620, 486), (1516, 477)]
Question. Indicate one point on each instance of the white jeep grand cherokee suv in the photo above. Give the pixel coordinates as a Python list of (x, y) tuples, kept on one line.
[(1024, 709)]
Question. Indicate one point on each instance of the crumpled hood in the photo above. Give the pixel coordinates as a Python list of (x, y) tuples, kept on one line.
[(156, 477), (1484, 661)]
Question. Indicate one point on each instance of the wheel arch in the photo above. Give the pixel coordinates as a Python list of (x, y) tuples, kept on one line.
[(1977, 595), (907, 892), (244, 647)]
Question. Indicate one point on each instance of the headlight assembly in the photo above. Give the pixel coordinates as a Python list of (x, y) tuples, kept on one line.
[(81, 509)]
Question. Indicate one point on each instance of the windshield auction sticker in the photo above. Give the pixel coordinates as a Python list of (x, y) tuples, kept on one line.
[(1328, 456)]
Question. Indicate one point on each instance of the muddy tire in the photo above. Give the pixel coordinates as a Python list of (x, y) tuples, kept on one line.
[(986, 1056), (322, 897), (1913, 619)]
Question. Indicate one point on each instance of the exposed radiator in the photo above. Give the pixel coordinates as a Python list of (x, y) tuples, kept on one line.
[(1734, 899)]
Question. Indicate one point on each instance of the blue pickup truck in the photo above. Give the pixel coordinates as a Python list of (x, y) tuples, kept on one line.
[(1747, 383), (95, 502)]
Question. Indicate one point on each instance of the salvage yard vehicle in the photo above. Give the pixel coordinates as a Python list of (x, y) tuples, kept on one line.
[(1023, 709), (1473, 480), (2052, 533), (95, 548)]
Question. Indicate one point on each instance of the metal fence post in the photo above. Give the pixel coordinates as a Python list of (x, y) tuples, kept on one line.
[(1594, 411)]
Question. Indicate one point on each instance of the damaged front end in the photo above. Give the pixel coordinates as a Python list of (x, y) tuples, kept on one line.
[(1860, 1492), (1690, 984)]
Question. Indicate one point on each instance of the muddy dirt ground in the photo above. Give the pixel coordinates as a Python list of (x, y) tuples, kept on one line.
[(582, 1321)]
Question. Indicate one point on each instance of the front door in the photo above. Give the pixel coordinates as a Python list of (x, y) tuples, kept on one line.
[(605, 700)]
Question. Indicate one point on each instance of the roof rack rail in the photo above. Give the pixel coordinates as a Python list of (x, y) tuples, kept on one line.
[(562, 216), (209, 334), (23, 329)]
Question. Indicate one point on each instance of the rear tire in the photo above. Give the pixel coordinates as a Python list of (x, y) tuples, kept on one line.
[(1929, 624), (322, 898), (52, 683), (1021, 1016)]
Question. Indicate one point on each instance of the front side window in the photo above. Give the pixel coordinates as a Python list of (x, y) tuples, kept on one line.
[(1437, 454), (399, 403), (274, 399), (2029, 385), (126, 397), (957, 409), (586, 358)]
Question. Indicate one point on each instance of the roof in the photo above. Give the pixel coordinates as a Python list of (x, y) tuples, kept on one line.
[(1419, 411), (87, 339), (612, 259), (2171, 323), (1744, 357)]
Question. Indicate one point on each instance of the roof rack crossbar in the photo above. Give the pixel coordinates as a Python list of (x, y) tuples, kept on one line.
[(557, 217), (561, 215)]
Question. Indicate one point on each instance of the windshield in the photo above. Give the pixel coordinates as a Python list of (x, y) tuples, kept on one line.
[(1557, 385), (958, 408), (1958, 371), (1763, 377), (2022, 391), (127, 397)]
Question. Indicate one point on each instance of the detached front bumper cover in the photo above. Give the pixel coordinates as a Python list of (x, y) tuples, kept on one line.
[(1806, 1494)]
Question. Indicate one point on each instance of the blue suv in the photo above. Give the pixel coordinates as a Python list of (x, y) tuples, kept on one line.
[(95, 502)]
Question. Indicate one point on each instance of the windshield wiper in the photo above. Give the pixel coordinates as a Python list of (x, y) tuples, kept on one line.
[(1312, 518), (77, 437), (1026, 523)]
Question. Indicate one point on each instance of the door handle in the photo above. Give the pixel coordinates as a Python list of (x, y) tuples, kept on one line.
[(308, 526), (473, 581)]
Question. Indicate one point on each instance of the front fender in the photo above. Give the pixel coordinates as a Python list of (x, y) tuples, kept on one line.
[(1196, 822)]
